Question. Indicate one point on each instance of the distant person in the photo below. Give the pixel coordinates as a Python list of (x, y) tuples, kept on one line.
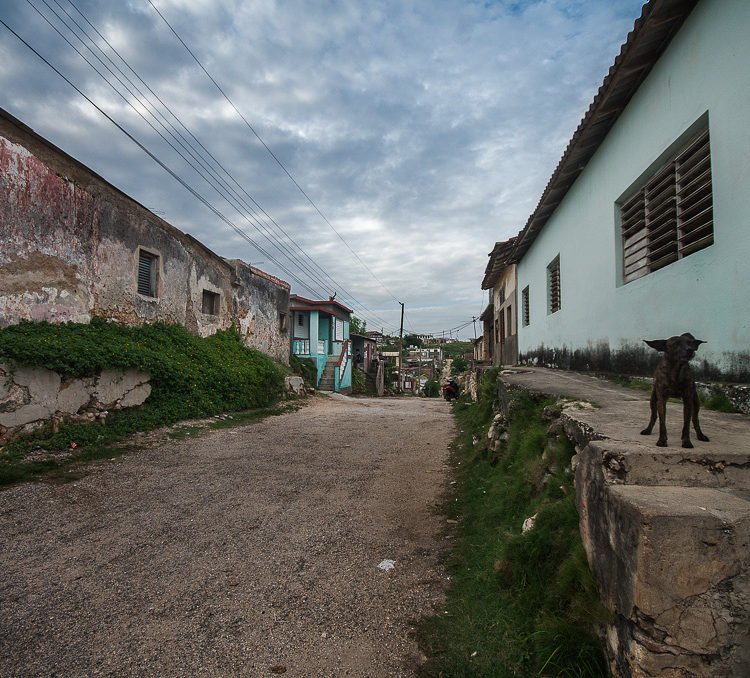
[(358, 360)]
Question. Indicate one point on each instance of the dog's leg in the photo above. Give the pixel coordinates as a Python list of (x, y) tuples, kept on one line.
[(647, 431), (696, 406), (661, 409), (687, 414)]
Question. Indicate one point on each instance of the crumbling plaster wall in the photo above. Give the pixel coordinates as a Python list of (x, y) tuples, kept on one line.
[(71, 249), (263, 320)]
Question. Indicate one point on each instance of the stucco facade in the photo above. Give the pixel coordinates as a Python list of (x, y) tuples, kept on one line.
[(701, 80), (321, 332), (75, 247), (500, 318)]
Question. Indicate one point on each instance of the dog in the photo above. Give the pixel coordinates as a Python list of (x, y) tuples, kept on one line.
[(674, 378)]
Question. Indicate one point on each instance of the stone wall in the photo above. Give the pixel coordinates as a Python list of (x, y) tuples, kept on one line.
[(31, 397), (71, 248)]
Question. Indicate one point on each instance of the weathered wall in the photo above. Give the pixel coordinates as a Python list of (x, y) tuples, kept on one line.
[(31, 397), (505, 297), (702, 72), (71, 249)]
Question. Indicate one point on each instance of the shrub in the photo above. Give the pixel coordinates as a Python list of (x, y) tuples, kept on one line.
[(432, 388), (305, 368), (190, 376)]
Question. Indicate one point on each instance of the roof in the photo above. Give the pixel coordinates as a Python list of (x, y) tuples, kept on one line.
[(653, 31), (298, 303), (500, 257), (488, 313)]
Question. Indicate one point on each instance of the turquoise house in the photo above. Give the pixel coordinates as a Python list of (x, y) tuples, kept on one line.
[(320, 332)]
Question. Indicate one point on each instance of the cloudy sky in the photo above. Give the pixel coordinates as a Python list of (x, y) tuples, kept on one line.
[(376, 149)]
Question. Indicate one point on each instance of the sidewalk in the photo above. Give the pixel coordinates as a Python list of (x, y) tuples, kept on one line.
[(666, 530)]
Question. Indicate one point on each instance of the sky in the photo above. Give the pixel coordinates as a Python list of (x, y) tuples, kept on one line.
[(372, 149)]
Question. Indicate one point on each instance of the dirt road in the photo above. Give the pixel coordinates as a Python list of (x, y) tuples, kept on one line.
[(249, 551)]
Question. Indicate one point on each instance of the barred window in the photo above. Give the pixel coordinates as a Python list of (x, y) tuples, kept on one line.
[(148, 266), (672, 215), (554, 302), (525, 305)]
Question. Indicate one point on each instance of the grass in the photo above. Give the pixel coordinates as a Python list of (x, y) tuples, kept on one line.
[(518, 604), (191, 378), (716, 401)]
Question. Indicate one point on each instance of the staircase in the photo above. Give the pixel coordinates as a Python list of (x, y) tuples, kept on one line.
[(328, 378)]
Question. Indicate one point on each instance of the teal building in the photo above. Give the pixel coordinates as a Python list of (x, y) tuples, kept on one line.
[(320, 331)]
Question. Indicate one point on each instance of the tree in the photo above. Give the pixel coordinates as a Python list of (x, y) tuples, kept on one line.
[(458, 365), (357, 326), (412, 340)]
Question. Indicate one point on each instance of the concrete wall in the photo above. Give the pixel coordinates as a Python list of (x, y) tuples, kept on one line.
[(31, 397), (71, 246), (702, 73)]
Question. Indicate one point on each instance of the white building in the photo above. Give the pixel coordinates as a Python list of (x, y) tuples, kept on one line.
[(642, 231)]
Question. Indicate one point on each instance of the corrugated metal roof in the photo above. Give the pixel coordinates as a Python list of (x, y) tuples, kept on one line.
[(659, 22)]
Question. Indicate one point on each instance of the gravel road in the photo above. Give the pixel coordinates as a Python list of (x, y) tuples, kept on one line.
[(250, 551)]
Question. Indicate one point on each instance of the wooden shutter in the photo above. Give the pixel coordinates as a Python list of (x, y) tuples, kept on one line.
[(146, 274), (553, 279), (695, 196)]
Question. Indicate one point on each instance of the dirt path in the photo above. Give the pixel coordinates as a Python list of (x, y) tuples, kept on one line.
[(249, 551)]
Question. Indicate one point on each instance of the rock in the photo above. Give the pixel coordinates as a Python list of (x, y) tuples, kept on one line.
[(528, 524), (551, 412), (555, 428), (294, 385)]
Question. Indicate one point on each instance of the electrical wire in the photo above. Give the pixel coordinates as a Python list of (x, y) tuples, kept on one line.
[(215, 181), (273, 155)]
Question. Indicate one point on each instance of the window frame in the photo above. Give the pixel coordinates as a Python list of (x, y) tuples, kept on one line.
[(669, 214), (525, 307), (554, 286), (214, 303), (153, 274)]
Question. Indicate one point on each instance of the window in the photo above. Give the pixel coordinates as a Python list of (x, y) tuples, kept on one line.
[(671, 216), (300, 320), (502, 327), (553, 286), (339, 330), (282, 322), (210, 303), (509, 324), (525, 305), (148, 266)]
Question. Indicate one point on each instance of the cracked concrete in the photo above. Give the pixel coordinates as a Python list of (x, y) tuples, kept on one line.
[(666, 530), (30, 397)]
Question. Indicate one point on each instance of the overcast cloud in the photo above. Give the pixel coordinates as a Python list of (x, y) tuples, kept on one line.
[(423, 130)]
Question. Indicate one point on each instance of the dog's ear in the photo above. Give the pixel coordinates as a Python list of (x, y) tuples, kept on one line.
[(696, 343), (658, 344)]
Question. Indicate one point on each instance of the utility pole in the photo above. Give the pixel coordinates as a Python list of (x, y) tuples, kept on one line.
[(400, 346)]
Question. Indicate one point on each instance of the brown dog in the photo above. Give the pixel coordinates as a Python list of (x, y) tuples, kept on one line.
[(674, 378)]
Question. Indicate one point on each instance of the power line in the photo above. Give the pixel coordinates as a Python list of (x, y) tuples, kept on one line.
[(273, 155), (223, 189)]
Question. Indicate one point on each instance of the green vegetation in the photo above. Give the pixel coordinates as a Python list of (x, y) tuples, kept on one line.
[(357, 326), (518, 604), (305, 368), (191, 377), (632, 382), (455, 348), (358, 380), (459, 365), (432, 388), (716, 401)]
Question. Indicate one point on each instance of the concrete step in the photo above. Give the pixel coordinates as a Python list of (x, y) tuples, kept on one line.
[(673, 563)]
